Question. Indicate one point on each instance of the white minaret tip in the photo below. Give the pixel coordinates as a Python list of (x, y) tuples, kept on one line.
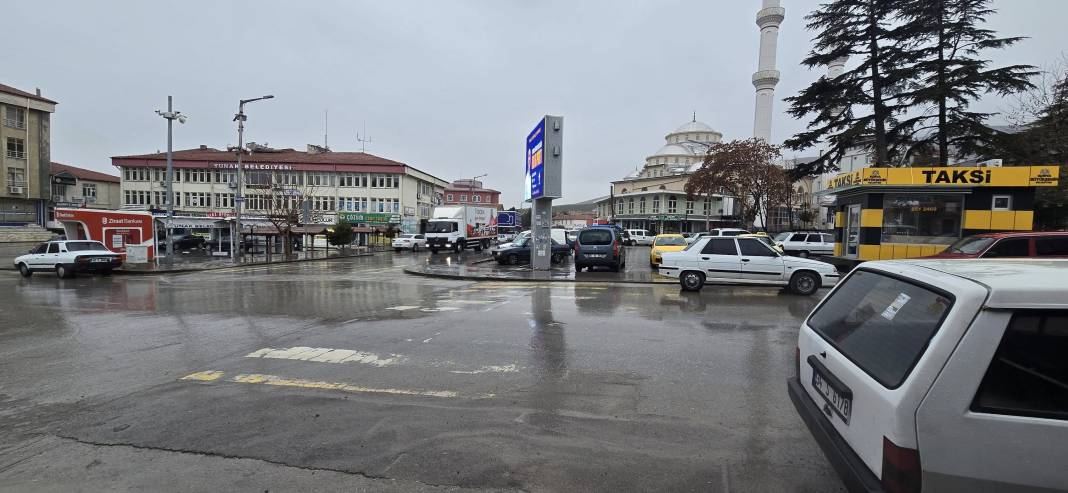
[(766, 77)]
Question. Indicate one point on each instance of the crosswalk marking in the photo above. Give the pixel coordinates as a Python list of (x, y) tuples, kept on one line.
[(326, 355), (255, 378)]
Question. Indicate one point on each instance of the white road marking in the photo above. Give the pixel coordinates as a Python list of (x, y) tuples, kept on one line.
[(326, 355), (440, 309), (402, 308), (255, 378), (489, 369)]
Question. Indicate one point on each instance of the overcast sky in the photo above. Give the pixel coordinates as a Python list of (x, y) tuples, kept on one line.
[(449, 87)]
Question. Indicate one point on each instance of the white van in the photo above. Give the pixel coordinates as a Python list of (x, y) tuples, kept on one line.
[(640, 237), (940, 375)]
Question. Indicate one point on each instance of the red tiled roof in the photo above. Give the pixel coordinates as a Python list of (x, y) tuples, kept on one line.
[(276, 156), (24, 94), (83, 174)]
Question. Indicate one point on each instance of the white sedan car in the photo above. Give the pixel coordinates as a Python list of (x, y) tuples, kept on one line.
[(411, 242), (744, 261), (67, 257)]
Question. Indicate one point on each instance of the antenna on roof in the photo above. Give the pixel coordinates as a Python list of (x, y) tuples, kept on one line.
[(695, 116), (365, 139), (326, 128)]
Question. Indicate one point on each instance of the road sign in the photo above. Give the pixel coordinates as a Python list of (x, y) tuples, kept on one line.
[(239, 199)]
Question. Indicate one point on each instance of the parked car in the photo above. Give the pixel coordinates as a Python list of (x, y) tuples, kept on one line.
[(1007, 245), (765, 239), (409, 241), (505, 237), (716, 232), (744, 261), (183, 242), (665, 243), (807, 243), (639, 237), (940, 375), (600, 246), (518, 252), (66, 258)]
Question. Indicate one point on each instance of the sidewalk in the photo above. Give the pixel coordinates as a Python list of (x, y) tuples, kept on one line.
[(489, 270), (202, 263)]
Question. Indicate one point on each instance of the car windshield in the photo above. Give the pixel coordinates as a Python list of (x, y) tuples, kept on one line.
[(408, 236), (440, 227), (83, 246), (881, 323), (970, 245), (782, 236), (521, 242), (670, 241)]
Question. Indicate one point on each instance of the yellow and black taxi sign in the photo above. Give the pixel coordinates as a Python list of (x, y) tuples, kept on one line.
[(1012, 176)]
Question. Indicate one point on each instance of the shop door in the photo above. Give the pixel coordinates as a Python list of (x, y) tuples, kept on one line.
[(852, 230)]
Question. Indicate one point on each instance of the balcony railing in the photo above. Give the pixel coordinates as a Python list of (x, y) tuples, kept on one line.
[(13, 123), (16, 154)]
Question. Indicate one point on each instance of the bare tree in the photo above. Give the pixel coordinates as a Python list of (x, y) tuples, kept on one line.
[(746, 170), (282, 198)]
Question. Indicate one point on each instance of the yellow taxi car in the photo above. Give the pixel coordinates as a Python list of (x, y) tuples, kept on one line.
[(764, 238), (665, 243)]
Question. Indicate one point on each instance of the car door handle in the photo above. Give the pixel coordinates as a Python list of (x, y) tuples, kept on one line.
[(745, 260)]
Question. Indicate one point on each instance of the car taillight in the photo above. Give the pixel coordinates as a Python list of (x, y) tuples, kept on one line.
[(615, 249), (576, 248), (901, 468)]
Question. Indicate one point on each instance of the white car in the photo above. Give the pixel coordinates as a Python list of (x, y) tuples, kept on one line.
[(505, 237), (716, 232), (65, 258), (744, 261), (640, 237), (804, 244), (409, 241), (940, 375)]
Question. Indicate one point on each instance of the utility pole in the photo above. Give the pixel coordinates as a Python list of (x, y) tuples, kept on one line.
[(238, 198), (170, 115)]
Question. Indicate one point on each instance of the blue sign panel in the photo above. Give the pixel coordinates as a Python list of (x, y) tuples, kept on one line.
[(533, 181), (506, 218)]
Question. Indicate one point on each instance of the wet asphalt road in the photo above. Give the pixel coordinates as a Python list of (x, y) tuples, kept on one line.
[(350, 375)]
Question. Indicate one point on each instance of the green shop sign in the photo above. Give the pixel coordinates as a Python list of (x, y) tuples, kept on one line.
[(667, 217), (370, 217)]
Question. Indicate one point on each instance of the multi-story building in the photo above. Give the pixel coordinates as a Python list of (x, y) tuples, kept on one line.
[(470, 191), (25, 119), (654, 197), (79, 187), (366, 189)]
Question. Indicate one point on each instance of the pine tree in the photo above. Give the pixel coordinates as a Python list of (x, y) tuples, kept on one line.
[(949, 73), (861, 104)]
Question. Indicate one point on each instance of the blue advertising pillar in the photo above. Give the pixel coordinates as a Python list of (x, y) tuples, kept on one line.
[(542, 184)]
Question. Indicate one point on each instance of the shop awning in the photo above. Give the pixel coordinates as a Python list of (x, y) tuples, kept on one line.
[(192, 222)]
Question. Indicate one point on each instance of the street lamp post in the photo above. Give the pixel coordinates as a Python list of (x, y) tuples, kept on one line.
[(171, 116), (238, 198)]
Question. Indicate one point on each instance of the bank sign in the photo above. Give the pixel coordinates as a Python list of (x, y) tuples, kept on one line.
[(1012, 176), (534, 178)]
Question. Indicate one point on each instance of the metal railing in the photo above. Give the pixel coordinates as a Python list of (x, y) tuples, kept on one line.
[(16, 154), (13, 123)]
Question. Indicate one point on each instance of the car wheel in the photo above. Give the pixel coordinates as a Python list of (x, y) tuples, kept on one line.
[(692, 280), (415, 247), (63, 272), (459, 247), (802, 254), (25, 271), (513, 259), (804, 283)]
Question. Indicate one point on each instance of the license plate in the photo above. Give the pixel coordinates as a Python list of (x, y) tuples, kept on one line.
[(100, 260), (835, 401), (597, 255)]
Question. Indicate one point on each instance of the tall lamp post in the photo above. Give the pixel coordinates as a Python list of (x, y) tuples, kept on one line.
[(171, 116), (238, 198)]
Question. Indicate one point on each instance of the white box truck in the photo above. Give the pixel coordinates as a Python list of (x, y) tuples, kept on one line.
[(459, 227)]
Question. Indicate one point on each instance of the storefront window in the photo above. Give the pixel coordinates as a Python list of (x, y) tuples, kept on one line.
[(921, 218)]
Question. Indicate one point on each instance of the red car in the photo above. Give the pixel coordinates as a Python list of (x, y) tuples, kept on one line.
[(1008, 245)]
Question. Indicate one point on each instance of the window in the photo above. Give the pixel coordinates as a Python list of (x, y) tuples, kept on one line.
[(463, 199), (197, 176), (1051, 246), (197, 199), (42, 248), (225, 177), (595, 236), (719, 246), (619, 207), (641, 206), (53, 248), (1002, 203), (448, 197), (751, 247), (15, 117), (84, 246), (1010, 247), (656, 204), (672, 204), (630, 206), (321, 179), (16, 148), (921, 219), (814, 239), (89, 190), (1028, 375), (670, 241), (16, 177), (708, 207), (881, 323), (689, 207), (797, 237), (478, 198), (224, 200)]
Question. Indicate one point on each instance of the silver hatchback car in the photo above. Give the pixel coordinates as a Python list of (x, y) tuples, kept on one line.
[(940, 375)]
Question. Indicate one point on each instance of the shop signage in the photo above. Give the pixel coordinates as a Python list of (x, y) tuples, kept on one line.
[(1012, 176), (666, 217), (370, 217), (259, 166)]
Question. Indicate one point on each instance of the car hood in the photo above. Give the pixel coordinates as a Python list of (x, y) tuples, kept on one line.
[(807, 262), (668, 248)]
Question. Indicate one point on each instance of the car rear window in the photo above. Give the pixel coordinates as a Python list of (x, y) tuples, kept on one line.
[(1051, 245), (1009, 247), (670, 241), (81, 246), (881, 323), (595, 237), (1028, 375)]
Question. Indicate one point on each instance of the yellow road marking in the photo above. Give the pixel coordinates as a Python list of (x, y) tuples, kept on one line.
[(255, 378), (204, 376)]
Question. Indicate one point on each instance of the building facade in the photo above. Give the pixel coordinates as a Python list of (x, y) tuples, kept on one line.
[(469, 191), (79, 187), (25, 121), (375, 191), (654, 197)]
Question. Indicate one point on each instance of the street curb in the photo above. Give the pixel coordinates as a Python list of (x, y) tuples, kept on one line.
[(222, 267), (440, 275)]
